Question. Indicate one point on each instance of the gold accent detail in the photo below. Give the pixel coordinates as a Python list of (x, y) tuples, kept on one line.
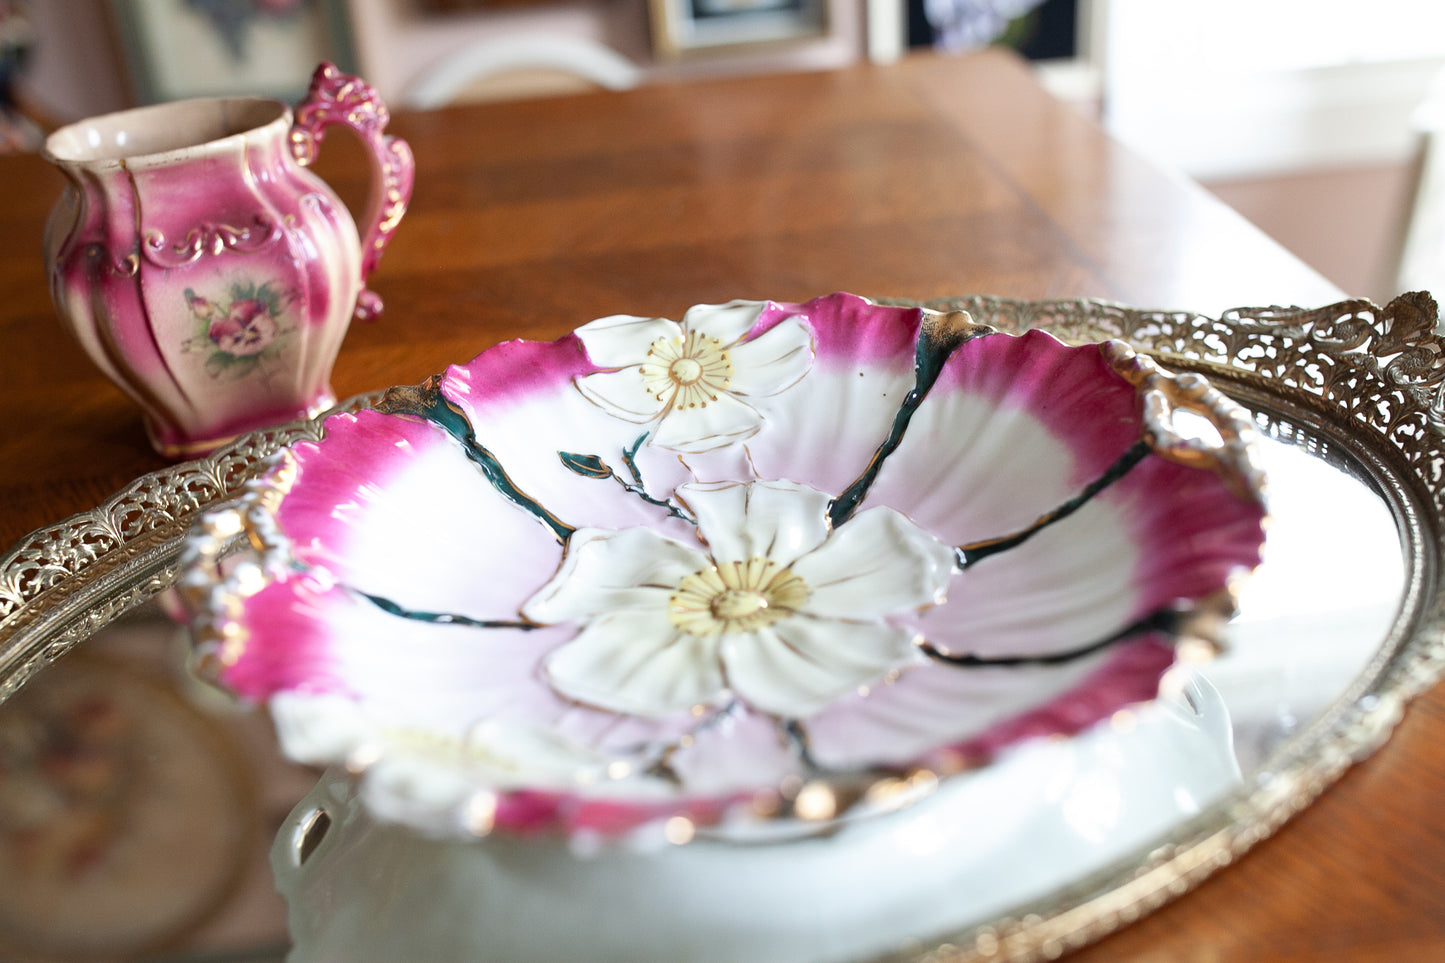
[(735, 597), (410, 399), (310, 834), (219, 640), (1201, 630), (816, 802), (213, 239), (62, 583), (194, 449), (687, 372), (126, 267), (1162, 394), (679, 830), (952, 326)]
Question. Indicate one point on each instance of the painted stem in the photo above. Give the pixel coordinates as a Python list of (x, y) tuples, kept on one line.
[(976, 551), (427, 401), (939, 335), (639, 488), (444, 618), (1165, 621)]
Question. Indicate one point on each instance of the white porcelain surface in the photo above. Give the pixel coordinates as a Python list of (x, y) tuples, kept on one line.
[(374, 893)]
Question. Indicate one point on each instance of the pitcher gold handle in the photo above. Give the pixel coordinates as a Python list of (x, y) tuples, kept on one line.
[(338, 98)]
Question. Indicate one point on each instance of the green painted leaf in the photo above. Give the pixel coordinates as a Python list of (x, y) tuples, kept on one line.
[(589, 466)]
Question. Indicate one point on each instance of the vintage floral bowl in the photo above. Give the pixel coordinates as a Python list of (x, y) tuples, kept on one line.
[(769, 588)]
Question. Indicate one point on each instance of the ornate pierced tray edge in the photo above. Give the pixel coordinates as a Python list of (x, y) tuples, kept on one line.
[(1372, 375), (62, 582), (1367, 372)]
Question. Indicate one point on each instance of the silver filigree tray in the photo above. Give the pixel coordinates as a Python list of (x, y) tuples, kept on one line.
[(1347, 399)]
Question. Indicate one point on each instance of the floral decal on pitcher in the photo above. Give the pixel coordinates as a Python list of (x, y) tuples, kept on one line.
[(242, 333)]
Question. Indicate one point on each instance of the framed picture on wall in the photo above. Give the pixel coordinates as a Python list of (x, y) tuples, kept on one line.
[(199, 48), (682, 28)]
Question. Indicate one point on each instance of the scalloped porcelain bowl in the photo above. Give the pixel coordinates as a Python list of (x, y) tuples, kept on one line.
[(783, 631)]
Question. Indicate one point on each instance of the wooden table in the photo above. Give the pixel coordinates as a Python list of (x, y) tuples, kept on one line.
[(927, 178)]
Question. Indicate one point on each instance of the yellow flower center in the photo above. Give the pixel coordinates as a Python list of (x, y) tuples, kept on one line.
[(687, 372), (736, 605), (735, 597)]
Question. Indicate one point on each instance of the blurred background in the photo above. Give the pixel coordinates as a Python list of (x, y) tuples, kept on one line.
[(1313, 118)]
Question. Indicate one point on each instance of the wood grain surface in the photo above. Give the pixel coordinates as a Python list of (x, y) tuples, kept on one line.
[(931, 177)]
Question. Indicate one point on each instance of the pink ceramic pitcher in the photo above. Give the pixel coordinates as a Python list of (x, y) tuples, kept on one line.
[(204, 269)]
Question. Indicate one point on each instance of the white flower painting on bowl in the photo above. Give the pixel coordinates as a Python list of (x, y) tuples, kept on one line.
[(660, 569)]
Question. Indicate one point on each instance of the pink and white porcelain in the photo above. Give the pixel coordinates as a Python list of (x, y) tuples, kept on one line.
[(204, 269), (770, 573), (982, 844)]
